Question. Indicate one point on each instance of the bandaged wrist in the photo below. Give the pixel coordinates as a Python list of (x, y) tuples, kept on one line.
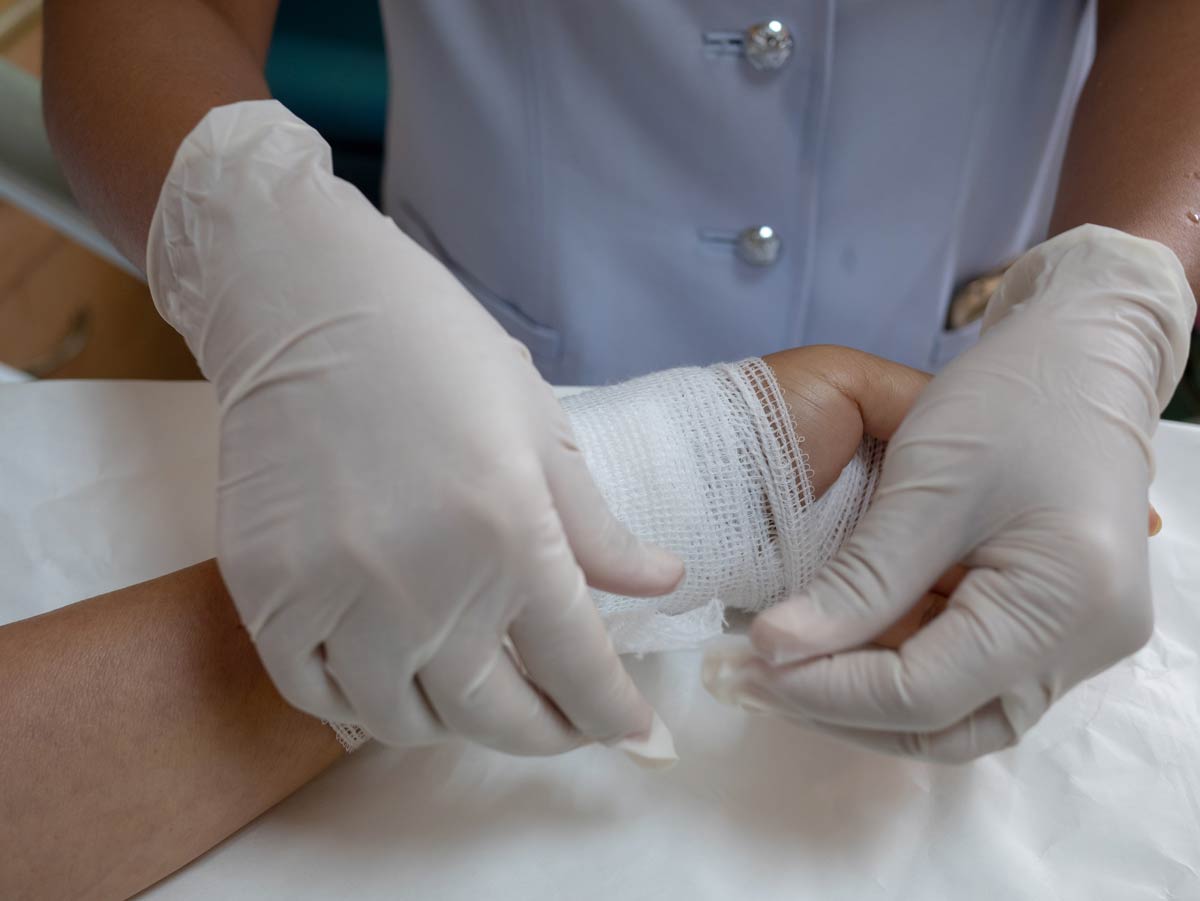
[(707, 463)]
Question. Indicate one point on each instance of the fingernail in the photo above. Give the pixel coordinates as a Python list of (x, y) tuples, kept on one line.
[(715, 674), (666, 566), (655, 750), (722, 673), (1156, 523), (776, 636), (752, 704)]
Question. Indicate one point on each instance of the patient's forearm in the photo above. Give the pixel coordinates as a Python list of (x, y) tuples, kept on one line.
[(138, 730)]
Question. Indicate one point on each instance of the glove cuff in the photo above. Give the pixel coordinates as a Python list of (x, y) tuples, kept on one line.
[(227, 142), (1089, 269)]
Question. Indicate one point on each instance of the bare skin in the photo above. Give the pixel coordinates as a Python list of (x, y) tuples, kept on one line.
[(1133, 161), (124, 83), (140, 730)]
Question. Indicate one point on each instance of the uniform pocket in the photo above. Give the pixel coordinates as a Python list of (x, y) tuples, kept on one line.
[(544, 342)]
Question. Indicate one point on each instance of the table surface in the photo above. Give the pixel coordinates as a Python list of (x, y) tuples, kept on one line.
[(106, 484)]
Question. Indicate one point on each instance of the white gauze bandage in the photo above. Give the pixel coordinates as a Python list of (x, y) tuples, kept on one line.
[(706, 462)]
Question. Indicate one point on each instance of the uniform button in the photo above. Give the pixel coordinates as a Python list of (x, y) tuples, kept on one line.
[(758, 245), (768, 44)]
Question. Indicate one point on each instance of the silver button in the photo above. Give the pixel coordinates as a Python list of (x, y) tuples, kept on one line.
[(759, 245), (768, 44)]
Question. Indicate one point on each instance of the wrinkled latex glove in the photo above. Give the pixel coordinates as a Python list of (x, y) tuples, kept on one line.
[(400, 498), (1029, 460)]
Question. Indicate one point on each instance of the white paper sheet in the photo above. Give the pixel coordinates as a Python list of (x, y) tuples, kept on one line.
[(106, 484)]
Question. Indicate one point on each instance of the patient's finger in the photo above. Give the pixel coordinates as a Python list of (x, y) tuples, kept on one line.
[(883, 390), (922, 613), (836, 395), (949, 580)]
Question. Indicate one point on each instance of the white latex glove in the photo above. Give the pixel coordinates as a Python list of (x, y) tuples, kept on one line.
[(399, 489), (1029, 460)]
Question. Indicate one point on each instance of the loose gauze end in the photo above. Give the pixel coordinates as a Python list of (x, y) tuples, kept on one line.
[(348, 736), (706, 462)]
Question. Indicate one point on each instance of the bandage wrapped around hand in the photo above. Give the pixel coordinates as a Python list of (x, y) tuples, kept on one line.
[(707, 463)]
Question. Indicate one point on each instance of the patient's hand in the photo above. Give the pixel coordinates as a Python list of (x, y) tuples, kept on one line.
[(838, 396)]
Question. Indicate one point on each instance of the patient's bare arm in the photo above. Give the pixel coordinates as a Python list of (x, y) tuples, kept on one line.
[(137, 730)]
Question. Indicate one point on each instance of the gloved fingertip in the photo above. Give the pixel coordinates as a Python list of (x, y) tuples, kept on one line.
[(653, 749), (753, 704), (725, 672), (636, 569), (731, 678), (664, 568), (716, 674), (779, 635), (1156, 523)]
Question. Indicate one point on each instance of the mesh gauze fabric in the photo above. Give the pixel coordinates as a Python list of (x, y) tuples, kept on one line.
[(706, 462), (349, 736)]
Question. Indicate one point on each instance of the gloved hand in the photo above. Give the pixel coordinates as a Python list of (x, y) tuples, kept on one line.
[(1029, 460), (399, 490)]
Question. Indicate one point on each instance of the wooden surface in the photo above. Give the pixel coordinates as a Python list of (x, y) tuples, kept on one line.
[(47, 282)]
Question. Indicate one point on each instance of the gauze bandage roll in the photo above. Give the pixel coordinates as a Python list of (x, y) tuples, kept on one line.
[(707, 463)]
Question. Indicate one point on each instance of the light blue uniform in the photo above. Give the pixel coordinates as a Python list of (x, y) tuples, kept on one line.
[(586, 166)]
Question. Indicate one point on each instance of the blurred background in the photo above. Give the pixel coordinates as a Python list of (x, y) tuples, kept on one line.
[(71, 308)]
